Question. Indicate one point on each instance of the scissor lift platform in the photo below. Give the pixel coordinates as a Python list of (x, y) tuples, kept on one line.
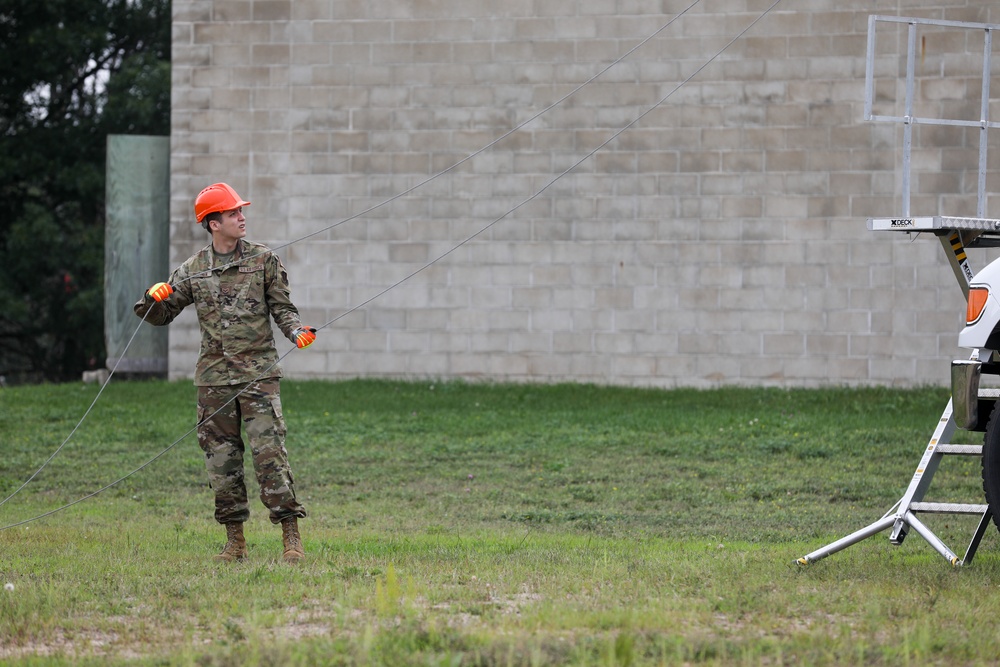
[(955, 234)]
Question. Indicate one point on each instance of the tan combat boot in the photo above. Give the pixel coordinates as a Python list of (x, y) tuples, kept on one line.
[(236, 546), (293, 542)]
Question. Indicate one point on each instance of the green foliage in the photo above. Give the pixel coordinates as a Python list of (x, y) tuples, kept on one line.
[(467, 524), (75, 71)]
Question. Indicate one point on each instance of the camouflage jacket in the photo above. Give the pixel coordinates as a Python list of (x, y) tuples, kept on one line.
[(234, 307)]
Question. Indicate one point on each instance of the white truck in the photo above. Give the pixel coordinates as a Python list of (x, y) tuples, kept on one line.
[(975, 409)]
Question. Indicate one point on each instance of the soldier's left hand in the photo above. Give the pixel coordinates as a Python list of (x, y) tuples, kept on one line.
[(160, 292), (304, 336)]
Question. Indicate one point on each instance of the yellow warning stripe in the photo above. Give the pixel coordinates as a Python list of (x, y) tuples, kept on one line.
[(957, 247)]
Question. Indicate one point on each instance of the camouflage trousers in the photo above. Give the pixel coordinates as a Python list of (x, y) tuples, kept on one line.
[(258, 407)]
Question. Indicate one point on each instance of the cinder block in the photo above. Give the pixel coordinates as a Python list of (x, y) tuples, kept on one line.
[(783, 345)]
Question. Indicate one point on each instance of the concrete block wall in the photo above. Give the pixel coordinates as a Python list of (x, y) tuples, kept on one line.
[(720, 239)]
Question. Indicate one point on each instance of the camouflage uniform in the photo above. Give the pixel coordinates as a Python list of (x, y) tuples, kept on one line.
[(237, 357)]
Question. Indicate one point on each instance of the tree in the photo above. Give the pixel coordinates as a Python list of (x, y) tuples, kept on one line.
[(71, 72)]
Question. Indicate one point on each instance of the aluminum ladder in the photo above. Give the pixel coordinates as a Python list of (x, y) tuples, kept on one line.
[(903, 515)]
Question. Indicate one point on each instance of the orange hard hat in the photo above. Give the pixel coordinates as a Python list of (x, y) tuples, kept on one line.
[(215, 199)]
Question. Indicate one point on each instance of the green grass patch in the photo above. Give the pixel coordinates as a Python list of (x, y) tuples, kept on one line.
[(482, 524)]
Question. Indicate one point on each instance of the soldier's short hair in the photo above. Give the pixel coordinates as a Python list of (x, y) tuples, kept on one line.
[(209, 218)]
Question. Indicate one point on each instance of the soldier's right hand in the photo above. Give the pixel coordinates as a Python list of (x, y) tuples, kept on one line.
[(160, 291)]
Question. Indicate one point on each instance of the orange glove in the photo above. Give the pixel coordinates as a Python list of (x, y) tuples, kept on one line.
[(160, 291), (304, 336)]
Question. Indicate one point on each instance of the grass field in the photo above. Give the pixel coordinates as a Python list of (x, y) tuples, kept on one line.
[(478, 524)]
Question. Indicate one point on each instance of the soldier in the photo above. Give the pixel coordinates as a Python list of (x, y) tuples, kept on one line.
[(236, 287)]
